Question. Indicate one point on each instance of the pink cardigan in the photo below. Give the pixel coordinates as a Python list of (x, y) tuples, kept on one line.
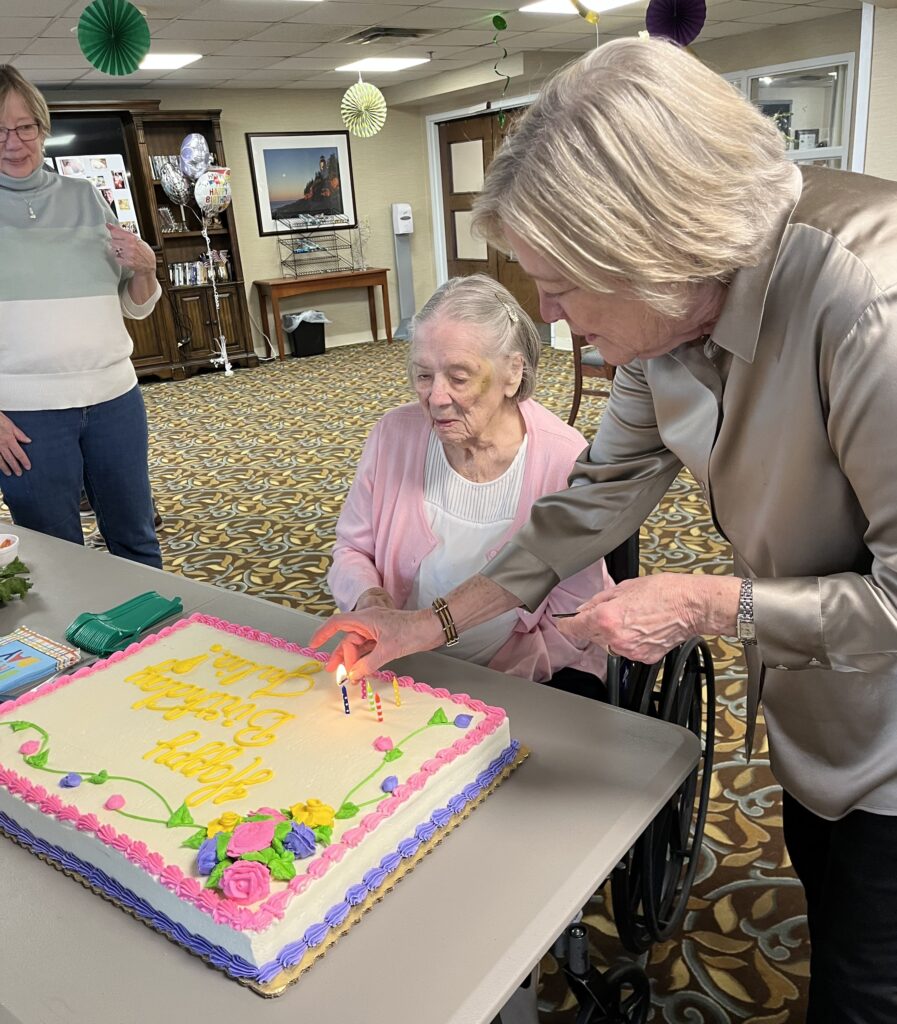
[(382, 533)]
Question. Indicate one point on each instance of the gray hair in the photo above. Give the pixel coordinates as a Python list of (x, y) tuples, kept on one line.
[(12, 80), (639, 168), (506, 329)]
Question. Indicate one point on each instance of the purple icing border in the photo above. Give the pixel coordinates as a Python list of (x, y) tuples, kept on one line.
[(293, 952)]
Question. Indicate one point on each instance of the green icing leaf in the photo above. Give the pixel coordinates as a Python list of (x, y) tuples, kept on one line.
[(195, 841), (180, 817), (98, 778), (262, 856), (286, 812), (277, 845), (39, 760), (282, 869), (438, 718), (217, 872), (348, 810), (323, 834), (282, 830), (221, 841), (19, 726), (258, 817), (393, 755)]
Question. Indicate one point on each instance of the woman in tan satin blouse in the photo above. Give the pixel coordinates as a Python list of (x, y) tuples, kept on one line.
[(751, 307)]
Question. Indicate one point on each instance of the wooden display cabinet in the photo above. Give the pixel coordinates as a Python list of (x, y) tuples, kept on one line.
[(177, 339)]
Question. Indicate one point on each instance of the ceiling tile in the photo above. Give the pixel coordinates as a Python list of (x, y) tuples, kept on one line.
[(733, 10), (788, 16), (183, 28), (290, 32), (251, 48), (334, 13), (243, 10), (19, 28)]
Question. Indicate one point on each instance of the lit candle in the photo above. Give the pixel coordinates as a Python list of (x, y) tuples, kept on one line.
[(341, 675), (345, 700), (379, 707), (395, 690)]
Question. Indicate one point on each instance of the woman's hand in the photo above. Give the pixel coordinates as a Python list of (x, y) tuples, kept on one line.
[(376, 636), (13, 460), (376, 597), (644, 618), (130, 251)]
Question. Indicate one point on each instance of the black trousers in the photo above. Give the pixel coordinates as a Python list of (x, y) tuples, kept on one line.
[(849, 871)]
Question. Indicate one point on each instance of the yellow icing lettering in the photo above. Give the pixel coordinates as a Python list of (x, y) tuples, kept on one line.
[(277, 677), (235, 788), (172, 691), (260, 728)]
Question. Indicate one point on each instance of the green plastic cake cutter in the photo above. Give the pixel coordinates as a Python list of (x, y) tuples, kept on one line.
[(104, 632)]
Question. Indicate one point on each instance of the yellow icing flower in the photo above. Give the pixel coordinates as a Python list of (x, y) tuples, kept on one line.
[(313, 813), (226, 823)]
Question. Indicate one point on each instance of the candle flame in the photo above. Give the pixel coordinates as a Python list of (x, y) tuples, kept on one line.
[(341, 675)]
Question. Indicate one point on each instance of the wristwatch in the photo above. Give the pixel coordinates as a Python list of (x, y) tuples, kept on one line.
[(747, 632)]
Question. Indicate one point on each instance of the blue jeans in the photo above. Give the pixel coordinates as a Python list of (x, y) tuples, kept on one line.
[(103, 447)]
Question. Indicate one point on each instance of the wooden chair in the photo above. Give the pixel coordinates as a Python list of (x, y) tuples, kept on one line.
[(587, 362)]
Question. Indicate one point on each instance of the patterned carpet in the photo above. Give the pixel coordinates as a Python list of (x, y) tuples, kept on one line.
[(249, 474)]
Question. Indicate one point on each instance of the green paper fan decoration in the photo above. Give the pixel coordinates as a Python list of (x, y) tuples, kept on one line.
[(113, 36), (364, 109)]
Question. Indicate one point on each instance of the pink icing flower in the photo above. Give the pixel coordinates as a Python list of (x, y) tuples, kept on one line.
[(29, 747), (115, 803), (383, 743), (247, 881), (251, 836), (276, 815)]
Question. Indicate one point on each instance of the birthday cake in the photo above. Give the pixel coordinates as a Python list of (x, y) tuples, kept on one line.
[(219, 784)]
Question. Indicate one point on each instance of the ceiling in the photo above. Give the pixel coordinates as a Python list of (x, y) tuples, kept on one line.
[(292, 44)]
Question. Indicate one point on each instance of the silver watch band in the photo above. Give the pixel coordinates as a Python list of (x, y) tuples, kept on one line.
[(745, 621)]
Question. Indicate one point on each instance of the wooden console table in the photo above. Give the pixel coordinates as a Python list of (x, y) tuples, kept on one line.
[(278, 288)]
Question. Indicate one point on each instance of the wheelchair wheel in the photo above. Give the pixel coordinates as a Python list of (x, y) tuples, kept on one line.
[(650, 887)]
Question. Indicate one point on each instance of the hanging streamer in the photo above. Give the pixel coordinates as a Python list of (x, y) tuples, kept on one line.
[(499, 24)]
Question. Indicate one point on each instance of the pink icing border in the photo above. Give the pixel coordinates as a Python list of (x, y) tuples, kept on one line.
[(219, 908)]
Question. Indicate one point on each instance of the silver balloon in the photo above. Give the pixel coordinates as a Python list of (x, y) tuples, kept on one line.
[(175, 185), (195, 156)]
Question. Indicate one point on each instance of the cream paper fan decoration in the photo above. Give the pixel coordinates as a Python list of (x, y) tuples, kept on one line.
[(364, 109)]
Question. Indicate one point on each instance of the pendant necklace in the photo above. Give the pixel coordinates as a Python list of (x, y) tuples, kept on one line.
[(31, 214)]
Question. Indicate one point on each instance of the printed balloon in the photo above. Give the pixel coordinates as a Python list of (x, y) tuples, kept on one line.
[(195, 156), (175, 185), (212, 191)]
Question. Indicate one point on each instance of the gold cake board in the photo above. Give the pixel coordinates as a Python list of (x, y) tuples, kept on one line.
[(278, 985)]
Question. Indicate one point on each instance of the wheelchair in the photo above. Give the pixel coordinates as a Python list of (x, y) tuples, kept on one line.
[(651, 884)]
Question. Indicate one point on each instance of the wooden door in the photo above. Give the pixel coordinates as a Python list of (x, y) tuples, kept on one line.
[(197, 323), (466, 148), (230, 318)]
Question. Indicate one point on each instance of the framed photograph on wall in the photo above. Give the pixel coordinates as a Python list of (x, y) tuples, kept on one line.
[(302, 181), (806, 138)]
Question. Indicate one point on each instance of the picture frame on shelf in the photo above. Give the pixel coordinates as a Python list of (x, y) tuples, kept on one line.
[(302, 181), (806, 138)]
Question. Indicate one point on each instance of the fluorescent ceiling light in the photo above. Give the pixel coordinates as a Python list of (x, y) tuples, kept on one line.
[(384, 64), (59, 140), (167, 61), (565, 7)]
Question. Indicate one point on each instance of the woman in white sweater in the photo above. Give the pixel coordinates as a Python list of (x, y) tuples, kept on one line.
[(72, 414)]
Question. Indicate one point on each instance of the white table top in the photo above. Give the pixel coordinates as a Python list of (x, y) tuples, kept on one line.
[(446, 946)]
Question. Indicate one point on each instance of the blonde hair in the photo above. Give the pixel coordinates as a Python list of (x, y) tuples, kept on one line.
[(12, 80), (639, 168), (506, 329)]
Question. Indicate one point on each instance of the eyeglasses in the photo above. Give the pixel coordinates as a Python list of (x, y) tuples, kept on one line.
[(25, 132)]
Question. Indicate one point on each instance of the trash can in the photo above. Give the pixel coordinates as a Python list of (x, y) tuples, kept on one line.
[(305, 332)]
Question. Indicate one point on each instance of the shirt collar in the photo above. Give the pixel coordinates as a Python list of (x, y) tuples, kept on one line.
[(738, 328)]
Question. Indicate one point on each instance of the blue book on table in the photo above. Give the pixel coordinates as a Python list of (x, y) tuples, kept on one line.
[(26, 658)]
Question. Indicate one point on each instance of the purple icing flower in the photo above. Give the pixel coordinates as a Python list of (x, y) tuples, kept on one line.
[(462, 721), (70, 781), (389, 783), (300, 840), (251, 836), (247, 881), (207, 857)]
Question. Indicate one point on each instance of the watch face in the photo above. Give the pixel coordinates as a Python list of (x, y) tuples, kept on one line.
[(746, 631)]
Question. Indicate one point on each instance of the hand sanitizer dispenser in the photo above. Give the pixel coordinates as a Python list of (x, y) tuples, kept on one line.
[(402, 229), (402, 221)]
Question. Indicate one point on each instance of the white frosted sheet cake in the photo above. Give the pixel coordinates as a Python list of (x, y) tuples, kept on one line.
[(210, 781)]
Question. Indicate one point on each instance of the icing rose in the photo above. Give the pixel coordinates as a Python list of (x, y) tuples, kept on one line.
[(462, 721), (226, 823), (115, 802), (70, 781), (247, 881), (269, 811), (251, 836), (300, 840), (389, 783), (383, 743), (207, 856), (29, 747), (313, 813)]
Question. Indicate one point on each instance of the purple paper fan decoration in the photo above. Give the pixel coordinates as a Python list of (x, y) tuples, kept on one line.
[(679, 20)]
